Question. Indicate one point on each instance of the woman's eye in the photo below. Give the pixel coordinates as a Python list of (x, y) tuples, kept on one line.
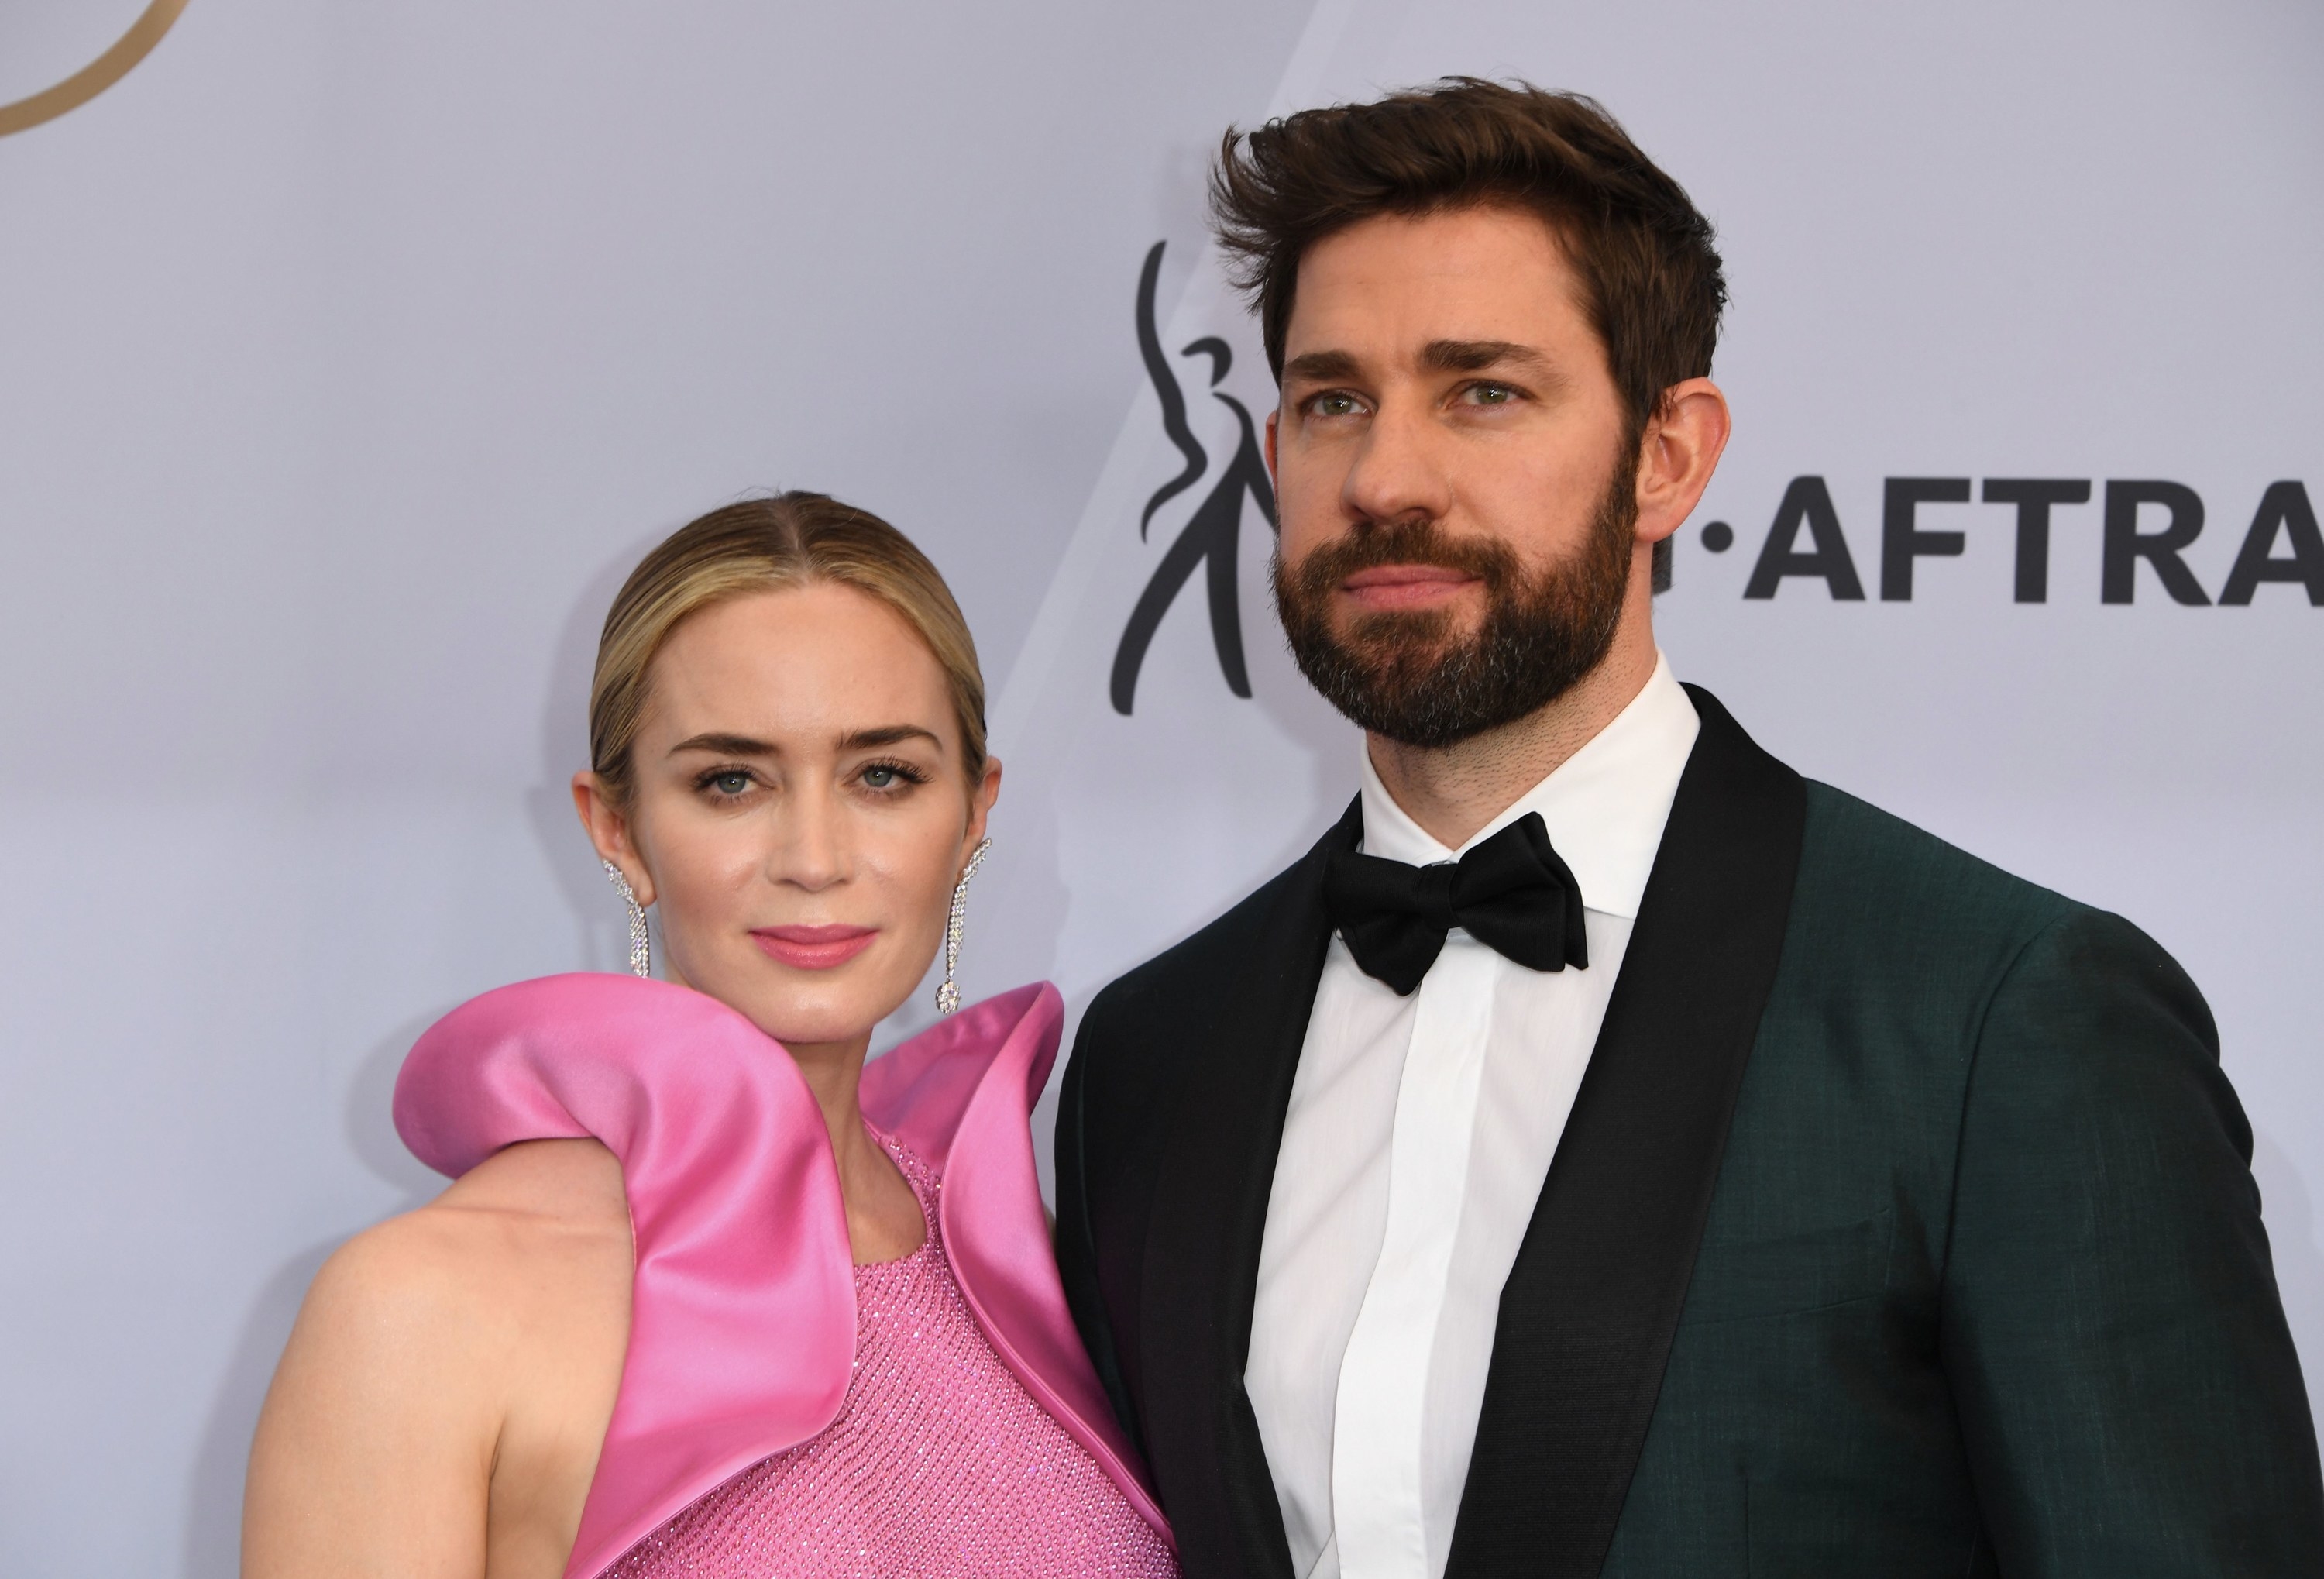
[(890, 777), (730, 783)]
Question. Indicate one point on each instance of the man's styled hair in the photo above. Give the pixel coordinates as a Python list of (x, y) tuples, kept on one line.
[(1650, 275)]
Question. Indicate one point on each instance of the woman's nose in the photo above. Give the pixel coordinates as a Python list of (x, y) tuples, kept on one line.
[(810, 851)]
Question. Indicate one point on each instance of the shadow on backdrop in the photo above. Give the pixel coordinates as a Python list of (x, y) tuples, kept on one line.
[(213, 1549), (601, 926)]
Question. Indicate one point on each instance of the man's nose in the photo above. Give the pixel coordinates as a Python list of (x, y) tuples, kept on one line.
[(1396, 473)]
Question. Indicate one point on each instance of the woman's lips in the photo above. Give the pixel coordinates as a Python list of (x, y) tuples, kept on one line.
[(813, 949)]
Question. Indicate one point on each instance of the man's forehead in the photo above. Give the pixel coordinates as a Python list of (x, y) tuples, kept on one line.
[(1401, 285)]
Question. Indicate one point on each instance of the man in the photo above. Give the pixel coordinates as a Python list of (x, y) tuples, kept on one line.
[(1605, 1151)]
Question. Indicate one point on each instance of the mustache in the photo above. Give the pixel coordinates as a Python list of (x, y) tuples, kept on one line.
[(1372, 545)]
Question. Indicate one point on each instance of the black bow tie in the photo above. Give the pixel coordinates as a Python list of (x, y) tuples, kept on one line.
[(1511, 894)]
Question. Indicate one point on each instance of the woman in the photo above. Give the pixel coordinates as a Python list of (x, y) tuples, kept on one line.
[(709, 1296)]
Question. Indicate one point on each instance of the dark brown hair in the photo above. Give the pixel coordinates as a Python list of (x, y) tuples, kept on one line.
[(1650, 275), (769, 545)]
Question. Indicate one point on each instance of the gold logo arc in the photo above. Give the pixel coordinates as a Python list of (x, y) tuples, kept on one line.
[(98, 75)]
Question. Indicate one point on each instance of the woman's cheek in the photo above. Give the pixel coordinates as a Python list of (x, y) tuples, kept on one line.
[(919, 874)]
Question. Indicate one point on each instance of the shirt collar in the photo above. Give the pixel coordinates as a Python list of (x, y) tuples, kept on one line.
[(1604, 806)]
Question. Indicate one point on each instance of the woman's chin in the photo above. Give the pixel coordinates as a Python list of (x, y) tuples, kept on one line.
[(804, 1022), (832, 1007)]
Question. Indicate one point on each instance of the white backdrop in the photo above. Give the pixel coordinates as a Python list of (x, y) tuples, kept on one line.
[(349, 357)]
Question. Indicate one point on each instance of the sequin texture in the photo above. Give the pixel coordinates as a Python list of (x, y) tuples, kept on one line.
[(940, 1462)]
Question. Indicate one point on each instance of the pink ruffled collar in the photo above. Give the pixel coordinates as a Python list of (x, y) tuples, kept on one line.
[(742, 1318)]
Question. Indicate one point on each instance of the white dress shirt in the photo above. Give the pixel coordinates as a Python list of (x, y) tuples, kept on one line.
[(1419, 1134)]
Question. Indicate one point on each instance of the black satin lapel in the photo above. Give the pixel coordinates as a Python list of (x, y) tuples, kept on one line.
[(1201, 1270), (1590, 1306)]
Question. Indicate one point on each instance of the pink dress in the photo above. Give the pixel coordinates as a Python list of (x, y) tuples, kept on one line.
[(782, 1410), (940, 1462)]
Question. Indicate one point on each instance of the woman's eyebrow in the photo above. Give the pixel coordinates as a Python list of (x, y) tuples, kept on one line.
[(888, 734), (719, 743), (727, 745)]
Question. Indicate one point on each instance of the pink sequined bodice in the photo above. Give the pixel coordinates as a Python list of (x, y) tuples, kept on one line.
[(940, 1462)]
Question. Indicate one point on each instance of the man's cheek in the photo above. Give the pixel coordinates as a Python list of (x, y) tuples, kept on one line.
[(1304, 529)]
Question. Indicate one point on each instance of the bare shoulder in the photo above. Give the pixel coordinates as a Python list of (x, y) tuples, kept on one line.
[(464, 1272), (541, 1197), (446, 1364)]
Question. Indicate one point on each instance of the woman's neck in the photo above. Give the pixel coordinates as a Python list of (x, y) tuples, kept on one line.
[(883, 1215), (833, 1073)]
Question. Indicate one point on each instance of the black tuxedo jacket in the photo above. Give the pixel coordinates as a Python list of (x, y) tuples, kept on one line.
[(1903, 1225)]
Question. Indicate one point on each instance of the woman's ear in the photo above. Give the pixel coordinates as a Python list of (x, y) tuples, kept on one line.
[(980, 804), (608, 828)]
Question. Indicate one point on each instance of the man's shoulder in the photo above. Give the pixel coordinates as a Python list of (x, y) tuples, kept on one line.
[(1855, 851), (1878, 896), (1185, 979), (1151, 1028)]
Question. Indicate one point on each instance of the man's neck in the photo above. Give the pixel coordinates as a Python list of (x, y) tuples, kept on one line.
[(1452, 791)]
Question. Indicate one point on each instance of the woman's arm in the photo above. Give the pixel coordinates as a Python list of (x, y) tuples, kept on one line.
[(374, 1450), (439, 1408)]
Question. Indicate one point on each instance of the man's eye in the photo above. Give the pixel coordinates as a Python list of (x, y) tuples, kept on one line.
[(1491, 394), (1335, 404)]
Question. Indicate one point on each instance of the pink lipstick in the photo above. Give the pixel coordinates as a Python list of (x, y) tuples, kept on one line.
[(813, 949)]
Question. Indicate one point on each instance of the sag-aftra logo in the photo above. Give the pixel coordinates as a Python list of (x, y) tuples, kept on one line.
[(2145, 528)]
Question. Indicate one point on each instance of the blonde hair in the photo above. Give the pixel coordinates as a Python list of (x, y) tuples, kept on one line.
[(770, 545)]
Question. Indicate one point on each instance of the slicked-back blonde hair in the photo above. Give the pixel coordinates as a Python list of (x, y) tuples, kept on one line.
[(770, 545)]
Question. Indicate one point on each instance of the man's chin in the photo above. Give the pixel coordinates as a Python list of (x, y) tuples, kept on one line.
[(1406, 635)]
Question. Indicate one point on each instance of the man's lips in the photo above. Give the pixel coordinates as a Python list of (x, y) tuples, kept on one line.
[(813, 949), (1402, 587)]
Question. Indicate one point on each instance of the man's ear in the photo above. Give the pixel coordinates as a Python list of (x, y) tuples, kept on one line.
[(1272, 418), (608, 828), (1677, 454)]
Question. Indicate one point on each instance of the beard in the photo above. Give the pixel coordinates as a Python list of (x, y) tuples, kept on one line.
[(1410, 674)]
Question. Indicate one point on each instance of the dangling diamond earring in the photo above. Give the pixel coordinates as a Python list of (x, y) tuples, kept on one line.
[(948, 994), (640, 947)]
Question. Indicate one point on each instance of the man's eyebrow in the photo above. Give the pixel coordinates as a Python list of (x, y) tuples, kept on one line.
[(725, 745), (1476, 355), (1320, 368)]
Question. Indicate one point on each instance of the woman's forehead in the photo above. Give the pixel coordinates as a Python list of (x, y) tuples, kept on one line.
[(823, 660)]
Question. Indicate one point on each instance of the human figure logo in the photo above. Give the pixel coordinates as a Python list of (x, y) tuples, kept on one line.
[(1212, 536)]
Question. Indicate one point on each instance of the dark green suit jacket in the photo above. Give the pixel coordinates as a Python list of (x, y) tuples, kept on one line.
[(1903, 1225)]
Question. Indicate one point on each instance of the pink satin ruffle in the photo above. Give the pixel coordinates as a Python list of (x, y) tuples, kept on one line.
[(742, 1315)]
